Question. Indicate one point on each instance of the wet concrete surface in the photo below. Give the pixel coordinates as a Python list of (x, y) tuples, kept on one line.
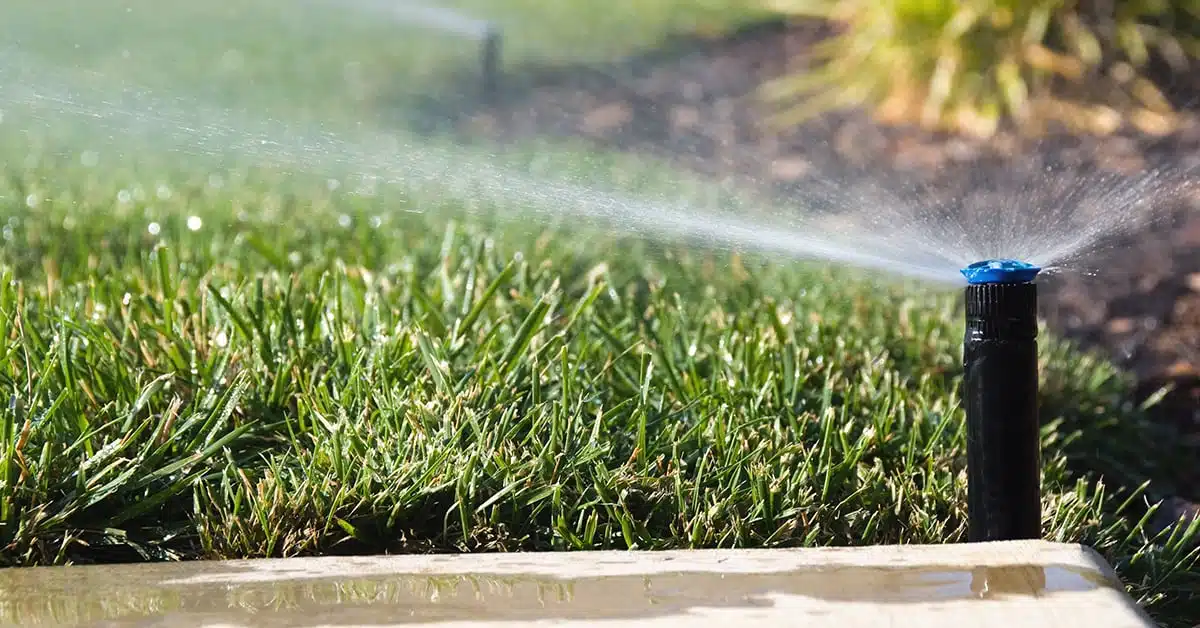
[(977, 585)]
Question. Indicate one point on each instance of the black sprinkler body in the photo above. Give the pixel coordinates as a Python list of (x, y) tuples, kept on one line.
[(1000, 389), (490, 63)]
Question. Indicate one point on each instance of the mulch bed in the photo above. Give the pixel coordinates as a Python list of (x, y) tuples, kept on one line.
[(692, 102)]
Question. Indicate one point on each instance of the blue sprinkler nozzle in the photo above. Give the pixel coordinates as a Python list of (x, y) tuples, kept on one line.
[(1000, 271)]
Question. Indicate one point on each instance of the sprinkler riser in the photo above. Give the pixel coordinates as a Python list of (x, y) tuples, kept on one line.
[(1000, 390), (490, 63)]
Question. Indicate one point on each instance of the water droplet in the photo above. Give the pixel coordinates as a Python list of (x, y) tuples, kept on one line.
[(32, 201), (232, 60), (124, 197), (68, 223), (154, 228), (295, 258), (163, 192), (376, 221), (344, 221), (369, 186), (222, 340), (126, 299), (194, 223), (89, 158)]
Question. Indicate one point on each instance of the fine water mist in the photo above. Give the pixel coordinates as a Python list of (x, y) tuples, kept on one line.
[(419, 14), (858, 220), (1059, 223)]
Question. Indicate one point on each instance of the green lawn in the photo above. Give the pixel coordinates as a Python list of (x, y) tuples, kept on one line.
[(368, 379), (269, 367)]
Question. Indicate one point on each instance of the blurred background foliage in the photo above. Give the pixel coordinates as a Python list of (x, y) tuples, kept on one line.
[(972, 66)]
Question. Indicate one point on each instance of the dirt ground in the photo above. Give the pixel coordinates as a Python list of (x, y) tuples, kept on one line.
[(693, 102)]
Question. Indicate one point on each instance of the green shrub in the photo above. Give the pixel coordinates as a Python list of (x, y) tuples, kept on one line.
[(967, 66)]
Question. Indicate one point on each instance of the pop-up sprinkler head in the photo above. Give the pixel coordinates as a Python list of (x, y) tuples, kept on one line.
[(490, 62), (1000, 389)]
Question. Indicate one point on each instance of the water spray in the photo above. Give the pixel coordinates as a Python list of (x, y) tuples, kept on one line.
[(1000, 388)]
